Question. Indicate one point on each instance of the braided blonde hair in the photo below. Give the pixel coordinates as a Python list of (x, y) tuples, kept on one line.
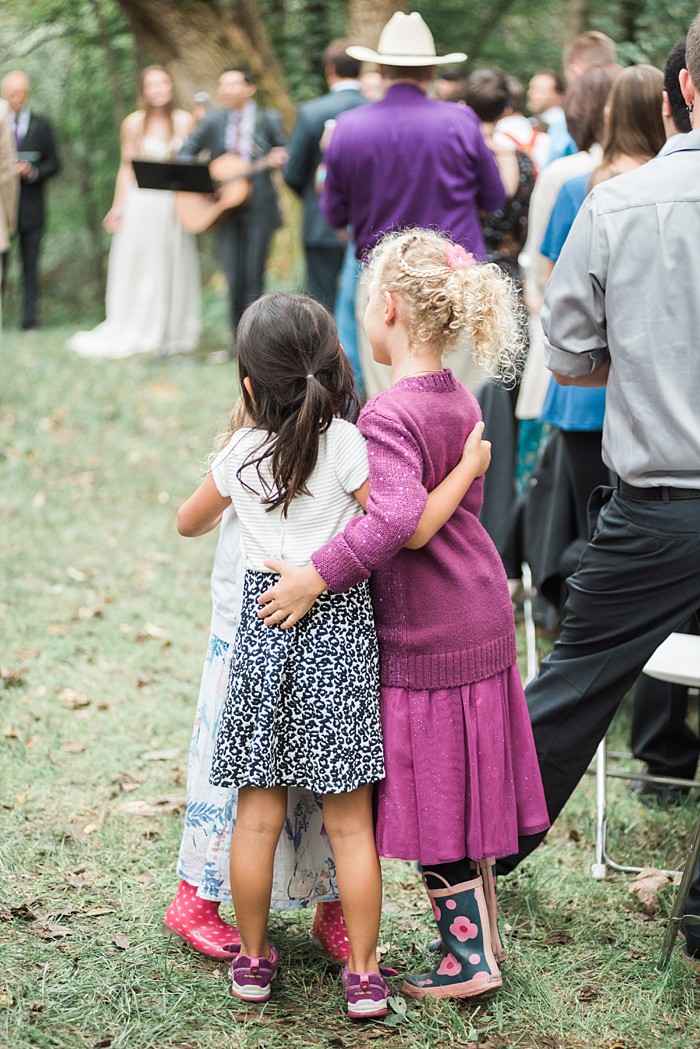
[(451, 301)]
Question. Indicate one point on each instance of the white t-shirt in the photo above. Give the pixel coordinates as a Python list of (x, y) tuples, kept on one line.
[(312, 520)]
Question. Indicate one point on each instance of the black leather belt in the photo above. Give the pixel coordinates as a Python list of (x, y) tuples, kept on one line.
[(657, 495)]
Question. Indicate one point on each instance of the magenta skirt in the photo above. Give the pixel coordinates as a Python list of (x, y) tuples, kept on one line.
[(462, 777)]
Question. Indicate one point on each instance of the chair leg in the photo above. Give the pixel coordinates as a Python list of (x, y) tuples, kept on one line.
[(599, 868), (676, 917)]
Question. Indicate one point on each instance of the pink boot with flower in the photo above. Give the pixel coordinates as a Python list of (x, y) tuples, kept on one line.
[(467, 967)]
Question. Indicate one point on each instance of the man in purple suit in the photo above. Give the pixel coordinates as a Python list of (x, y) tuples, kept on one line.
[(407, 160)]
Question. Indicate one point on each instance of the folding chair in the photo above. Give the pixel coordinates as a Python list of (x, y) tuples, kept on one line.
[(677, 919), (677, 660)]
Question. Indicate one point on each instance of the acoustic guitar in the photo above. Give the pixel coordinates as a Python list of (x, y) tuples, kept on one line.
[(232, 176)]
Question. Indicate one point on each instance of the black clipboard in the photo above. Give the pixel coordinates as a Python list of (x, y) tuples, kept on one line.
[(182, 176)]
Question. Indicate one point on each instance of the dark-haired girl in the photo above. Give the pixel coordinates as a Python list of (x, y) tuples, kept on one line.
[(302, 707)]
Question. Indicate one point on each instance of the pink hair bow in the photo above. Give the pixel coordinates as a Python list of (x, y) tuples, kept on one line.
[(459, 259)]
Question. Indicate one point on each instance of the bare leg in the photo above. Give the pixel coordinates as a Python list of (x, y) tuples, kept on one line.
[(259, 821), (350, 826)]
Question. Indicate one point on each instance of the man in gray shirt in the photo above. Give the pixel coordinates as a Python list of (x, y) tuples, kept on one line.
[(623, 308)]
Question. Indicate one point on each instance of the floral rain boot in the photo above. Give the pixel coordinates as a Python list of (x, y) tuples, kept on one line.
[(467, 966), (487, 870), (197, 922), (329, 931)]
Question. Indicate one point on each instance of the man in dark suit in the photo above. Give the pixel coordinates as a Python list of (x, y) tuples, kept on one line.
[(241, 127), (37, 161), (323, 250)]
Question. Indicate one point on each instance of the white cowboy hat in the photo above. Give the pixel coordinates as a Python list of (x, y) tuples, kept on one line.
[(405, 41)]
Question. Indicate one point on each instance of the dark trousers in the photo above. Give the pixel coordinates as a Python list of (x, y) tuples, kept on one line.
[(638, 580), (587, 471), (29, 247), (661, 736), (323, 267), (243, 248)]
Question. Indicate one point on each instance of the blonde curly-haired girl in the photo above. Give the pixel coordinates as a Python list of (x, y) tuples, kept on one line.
[(462, 779)]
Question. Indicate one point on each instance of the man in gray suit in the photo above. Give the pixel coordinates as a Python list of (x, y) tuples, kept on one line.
[(323, 250), (241, 127)]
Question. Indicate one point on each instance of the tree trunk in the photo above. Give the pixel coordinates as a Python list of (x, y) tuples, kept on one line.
[(367, 18), (196, 40), (576, 19)]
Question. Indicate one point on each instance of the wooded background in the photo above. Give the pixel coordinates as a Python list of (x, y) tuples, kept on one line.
[(83, 58)]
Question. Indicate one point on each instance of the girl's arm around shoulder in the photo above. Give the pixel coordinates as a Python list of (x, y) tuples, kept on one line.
[(203, 510), (444, 500)]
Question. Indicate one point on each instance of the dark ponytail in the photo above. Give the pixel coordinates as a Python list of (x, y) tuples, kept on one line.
[(288, 348)]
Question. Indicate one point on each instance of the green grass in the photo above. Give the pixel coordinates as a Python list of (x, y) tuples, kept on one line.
[(104, 614)]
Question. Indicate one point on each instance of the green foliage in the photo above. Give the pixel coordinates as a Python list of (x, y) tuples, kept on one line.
[(300, 30)]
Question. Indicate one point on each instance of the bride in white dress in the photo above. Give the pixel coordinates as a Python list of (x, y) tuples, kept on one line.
[(153, 282)]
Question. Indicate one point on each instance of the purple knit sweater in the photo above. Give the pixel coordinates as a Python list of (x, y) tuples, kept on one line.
[(443, 613)]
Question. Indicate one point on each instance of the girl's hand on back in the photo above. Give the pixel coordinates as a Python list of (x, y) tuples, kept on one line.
[(477, 452), (293, 594)]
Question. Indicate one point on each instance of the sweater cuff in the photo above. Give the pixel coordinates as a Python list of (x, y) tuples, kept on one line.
[(338, 566)]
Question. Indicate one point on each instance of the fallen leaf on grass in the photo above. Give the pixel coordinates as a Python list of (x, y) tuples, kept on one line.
[(154, 631), (72, 700), (9, 733), (13, 678), (163, 806), (90, 612), (398, 1011), (646, 888), (73, 748), (588, 993), (558, 937), (76, 575), (6, 1000), (161, 755), (24, 911), (49, 930), (25, 652), (120, 940)]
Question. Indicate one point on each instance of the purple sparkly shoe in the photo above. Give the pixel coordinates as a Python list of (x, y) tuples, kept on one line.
[(366, 994), (251, 977)]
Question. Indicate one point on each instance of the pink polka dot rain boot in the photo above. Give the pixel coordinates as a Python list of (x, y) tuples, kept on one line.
[(329, 932), (467, 966), (197, 922)]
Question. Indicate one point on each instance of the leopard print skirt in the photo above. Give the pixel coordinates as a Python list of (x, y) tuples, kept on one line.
[(302, 707)]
